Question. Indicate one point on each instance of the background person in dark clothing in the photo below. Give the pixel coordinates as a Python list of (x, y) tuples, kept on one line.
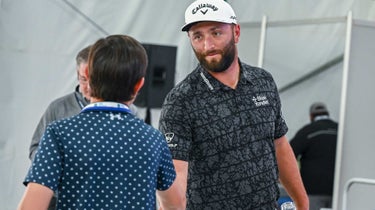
[(314, 146)]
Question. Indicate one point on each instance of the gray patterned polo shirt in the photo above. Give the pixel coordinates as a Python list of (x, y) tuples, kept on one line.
[(227, 137)]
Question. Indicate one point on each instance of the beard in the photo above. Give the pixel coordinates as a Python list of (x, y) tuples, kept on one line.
[(218, 65)]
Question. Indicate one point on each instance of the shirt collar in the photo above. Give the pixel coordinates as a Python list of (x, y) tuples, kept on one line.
[(321, 117), (214, 84), (107, 106), (82, 101)]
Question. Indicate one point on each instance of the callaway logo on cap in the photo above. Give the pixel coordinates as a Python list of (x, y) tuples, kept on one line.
[(208, 10)]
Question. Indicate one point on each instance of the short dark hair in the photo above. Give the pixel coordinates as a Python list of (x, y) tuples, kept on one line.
[(83, 55), (116, 64)]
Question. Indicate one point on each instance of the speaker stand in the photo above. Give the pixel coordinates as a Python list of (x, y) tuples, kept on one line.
[(148, 116)]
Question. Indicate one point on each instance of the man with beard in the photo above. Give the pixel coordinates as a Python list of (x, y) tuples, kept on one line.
[(223, 123)]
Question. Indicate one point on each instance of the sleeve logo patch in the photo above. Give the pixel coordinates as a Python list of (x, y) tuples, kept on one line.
[(169, 137)]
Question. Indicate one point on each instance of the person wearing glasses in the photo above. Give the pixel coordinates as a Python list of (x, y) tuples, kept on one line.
[(67, 105)]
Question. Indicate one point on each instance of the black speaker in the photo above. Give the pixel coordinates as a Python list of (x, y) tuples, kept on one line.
[(160, 75)]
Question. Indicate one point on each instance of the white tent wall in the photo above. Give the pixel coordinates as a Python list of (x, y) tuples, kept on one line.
[(39, 40), (302, 64), (355, 171)]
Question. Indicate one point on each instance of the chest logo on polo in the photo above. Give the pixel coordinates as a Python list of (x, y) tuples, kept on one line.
[(260, 101)]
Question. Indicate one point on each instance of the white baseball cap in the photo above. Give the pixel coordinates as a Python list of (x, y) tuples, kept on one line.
[(208, 10)]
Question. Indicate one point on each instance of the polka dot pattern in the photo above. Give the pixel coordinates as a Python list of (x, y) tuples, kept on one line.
[(97, 161)]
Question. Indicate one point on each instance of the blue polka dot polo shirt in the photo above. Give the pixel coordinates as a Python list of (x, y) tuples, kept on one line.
[(103, 158)]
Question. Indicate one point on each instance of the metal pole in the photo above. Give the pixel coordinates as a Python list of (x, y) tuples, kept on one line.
[(262, 41), (340, 135), (349, 183)]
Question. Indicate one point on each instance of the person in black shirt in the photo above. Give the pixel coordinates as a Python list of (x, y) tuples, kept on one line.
[(314, 146)]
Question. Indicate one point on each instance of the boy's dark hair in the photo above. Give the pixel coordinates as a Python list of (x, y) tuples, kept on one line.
[(116, 64)]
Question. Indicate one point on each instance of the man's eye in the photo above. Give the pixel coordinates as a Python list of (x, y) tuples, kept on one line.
[(197, 37)]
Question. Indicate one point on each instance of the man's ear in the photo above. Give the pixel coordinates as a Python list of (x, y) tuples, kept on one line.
[(237, 32), (139, 85)]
